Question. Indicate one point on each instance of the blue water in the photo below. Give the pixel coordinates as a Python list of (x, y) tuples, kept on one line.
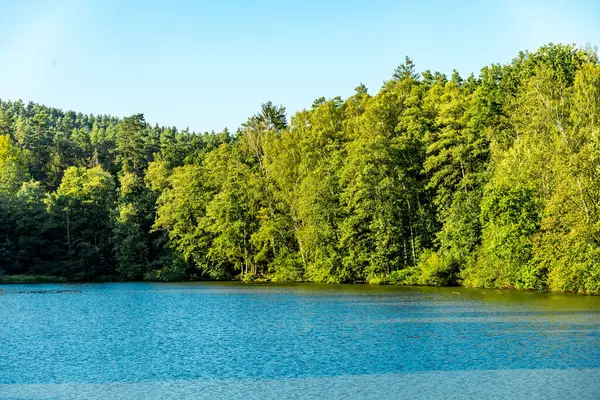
[(225, 340)]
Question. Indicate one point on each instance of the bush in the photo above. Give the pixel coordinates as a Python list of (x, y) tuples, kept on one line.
[(406, 276), (378, 280), (287, 268), (436, 270)]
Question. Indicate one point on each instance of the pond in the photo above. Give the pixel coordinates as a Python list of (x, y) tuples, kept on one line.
[(271, 341)]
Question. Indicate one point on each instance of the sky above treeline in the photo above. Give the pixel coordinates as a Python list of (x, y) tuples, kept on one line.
[(207, 65)]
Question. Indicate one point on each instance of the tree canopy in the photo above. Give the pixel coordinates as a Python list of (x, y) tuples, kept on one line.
[(487, 181)]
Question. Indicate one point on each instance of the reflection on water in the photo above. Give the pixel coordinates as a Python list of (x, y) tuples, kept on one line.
[(225, 340)]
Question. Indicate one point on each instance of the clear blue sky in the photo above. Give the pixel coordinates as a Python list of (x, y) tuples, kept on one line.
[(209, 64)]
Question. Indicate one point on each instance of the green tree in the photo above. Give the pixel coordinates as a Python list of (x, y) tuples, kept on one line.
[(405, 70), (13, 168), (81, 223), (131, 144)]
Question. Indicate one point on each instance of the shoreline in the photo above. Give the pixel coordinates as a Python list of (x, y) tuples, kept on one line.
[(47, 279)]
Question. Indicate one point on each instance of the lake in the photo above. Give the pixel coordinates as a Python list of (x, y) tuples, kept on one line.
[(269, 341)]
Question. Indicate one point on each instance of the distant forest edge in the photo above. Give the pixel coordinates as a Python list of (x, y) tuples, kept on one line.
[(489, 181)]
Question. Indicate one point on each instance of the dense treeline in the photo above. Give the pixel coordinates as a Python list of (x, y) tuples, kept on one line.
[(489, 181)]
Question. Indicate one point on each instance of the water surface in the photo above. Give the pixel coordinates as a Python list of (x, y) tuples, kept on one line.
[(226, 340)]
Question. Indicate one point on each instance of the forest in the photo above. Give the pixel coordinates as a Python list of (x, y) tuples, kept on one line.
[(485, 181)]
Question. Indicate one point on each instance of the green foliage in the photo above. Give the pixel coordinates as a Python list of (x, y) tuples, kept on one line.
[(13, 169), (509, 216), (132, 143), (80, 212), (132, 226), (23, 230), (489, 180), (407, 276), (181, 208), (435, 270), (405, 70)]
